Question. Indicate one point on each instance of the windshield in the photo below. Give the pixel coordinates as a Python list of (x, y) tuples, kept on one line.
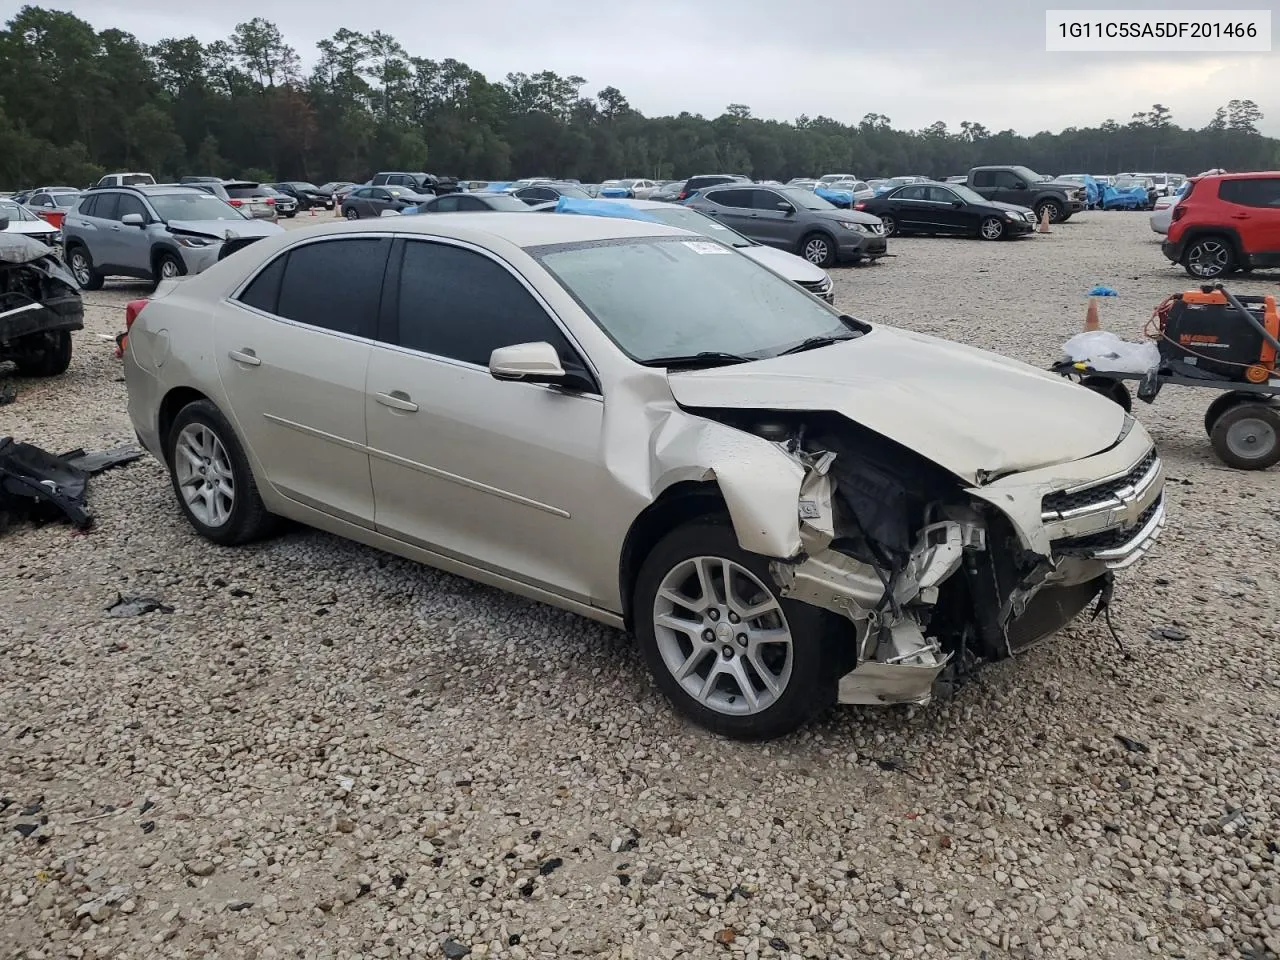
[(665, 297), (302, 185), (503, 201), (193, 206), (966, 194), (568, 190), (14, 212), (1029, 175), (65, 199), (805, 200), (687, 218)]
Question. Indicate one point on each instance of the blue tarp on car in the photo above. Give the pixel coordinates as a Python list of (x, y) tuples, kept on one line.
[(1124, 198), (841, 198), (621, 193), (602, 208), (496, 187), (1092, 193)]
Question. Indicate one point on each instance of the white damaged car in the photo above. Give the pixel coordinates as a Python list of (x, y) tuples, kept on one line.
[(788, 507)]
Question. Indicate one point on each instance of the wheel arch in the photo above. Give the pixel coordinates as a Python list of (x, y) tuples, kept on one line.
[(1201, 231), (161, 248), (680, 503), (170, 406)]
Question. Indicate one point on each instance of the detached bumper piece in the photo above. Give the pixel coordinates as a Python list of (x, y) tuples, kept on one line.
[(38, 485)]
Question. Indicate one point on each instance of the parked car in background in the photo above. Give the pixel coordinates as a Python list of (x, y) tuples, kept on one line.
[(794, 220), (948, 209), (52, 203), (1226, 222), (631, 189), (1022, 186), (668, 192), (251, 198), (331, 188), (125, 180), (373, 201), (307, 195), (762, 468), (796, 269), (1162, 212), (549, 193), (286, 206), (472, 203), (211, 185), (23, 221), (420, 183), (1129, 182), (704, 180), (152, 233)]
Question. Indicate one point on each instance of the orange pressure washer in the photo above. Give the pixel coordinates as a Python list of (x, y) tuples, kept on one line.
[(1226, 337)]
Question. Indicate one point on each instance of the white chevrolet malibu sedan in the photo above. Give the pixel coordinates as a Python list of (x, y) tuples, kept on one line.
[(787, 506)]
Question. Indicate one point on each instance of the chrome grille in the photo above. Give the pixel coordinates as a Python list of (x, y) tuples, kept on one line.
[(1065, 502), (1108, 539)]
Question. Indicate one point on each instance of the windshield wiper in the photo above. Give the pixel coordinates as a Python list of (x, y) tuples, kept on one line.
[(707, 358), (814, 343)]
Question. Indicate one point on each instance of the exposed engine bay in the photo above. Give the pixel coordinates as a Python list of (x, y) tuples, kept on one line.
[(933, 579)]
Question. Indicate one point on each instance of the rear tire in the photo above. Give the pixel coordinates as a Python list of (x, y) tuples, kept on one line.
[(890, 225), (43, 354), (1208, 258), (81, 264), (1247, 436), (789, 641), (212, 479), (351, 214)]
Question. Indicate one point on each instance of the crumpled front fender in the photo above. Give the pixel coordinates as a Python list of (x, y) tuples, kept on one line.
[(760, 482)]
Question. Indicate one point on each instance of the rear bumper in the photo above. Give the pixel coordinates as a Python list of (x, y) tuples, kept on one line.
[(1173, 251)]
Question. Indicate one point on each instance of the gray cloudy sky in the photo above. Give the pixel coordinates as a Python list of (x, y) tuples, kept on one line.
[(916, 61)]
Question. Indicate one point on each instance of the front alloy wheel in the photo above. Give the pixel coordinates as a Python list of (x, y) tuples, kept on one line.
[(351, 214), (992, 228), (1209, 258), (722, 644)]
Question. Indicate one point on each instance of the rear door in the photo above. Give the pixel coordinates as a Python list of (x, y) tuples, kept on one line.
[(292, 349), (96, 224), (908, 206), (1254, 210), (734, 207)]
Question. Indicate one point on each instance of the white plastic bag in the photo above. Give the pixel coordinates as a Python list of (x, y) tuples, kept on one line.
[(1107, 353)]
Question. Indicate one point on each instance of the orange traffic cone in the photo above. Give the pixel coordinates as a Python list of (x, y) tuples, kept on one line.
[(1091, 318), (1044, 221), (313, 211)]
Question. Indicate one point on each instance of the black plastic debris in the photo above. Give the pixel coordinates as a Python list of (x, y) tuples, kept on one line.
[(38, 485), (136, 606), (8, 393), (1170, 633), (549, 865), (1136, 746)]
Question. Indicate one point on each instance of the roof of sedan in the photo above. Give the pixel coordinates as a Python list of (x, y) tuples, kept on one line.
[(518, 228)]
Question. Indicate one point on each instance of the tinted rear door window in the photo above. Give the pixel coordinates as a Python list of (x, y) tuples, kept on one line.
[(732, 198), (264, 290), (335, 284), (1262, 192)]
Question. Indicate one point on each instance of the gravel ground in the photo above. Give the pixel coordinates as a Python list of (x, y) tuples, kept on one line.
[(327, 752)]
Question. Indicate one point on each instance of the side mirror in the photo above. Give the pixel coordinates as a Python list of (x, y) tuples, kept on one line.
[(4, 223), (786, 207), (531, 362), (133, 220), (1019, 185), (957, 204)]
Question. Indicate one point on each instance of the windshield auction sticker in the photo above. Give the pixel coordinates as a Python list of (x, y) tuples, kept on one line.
[(1155, 31), (705, 246)]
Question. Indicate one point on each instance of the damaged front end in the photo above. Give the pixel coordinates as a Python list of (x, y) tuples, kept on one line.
[(934, 577), (38, 296)]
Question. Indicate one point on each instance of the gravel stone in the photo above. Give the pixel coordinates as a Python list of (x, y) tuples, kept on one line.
[(470, 738)]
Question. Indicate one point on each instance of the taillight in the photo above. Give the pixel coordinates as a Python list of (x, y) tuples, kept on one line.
[(271, 201), (1178, 213), (860, 205), (234, 203), (684, 195), (131, 311)]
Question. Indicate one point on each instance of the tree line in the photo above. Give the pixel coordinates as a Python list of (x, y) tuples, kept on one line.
[(76, 102)]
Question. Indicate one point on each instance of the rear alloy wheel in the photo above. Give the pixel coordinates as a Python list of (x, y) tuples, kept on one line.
[(992, 228), (890, 225), (82, 269), (725, 648), (351, 214), (1208, 258), (818, 249), (1247, 436), (212, 478)]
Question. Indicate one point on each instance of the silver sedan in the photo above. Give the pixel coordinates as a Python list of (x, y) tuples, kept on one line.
[(787, 506)]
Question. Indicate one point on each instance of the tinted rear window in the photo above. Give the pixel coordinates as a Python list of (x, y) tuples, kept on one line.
[(335, 284)]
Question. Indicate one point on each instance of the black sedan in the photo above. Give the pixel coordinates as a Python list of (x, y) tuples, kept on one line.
[(473, 202), (369, 201), (948, 209)]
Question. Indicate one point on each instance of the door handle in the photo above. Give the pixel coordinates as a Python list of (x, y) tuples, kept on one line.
[(245, 356), (397, 400), (1240, 216)]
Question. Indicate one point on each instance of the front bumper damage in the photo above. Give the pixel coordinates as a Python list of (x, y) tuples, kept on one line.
[(988, 571), (37, 293)]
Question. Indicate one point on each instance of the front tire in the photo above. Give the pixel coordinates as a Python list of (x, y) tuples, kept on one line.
[(43, 354), (725, 648), (1208, 258), (351, 214), (818, 249), (168, 267), (212, 479), (991, 228), (1056, 213)]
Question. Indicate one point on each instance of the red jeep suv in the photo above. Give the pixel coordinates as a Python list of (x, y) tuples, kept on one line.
[(1226, 222)]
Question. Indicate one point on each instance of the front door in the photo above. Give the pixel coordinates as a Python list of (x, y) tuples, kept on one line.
[(292, 352), (771, 224), (948, 212), (133, 248), (494, 473)]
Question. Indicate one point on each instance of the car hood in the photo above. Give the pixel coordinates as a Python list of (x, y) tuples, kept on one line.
[(220, 228), (1011, 207), (979, 415), (1067, 185), (796, 269), (30, 227), (849, 216)]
